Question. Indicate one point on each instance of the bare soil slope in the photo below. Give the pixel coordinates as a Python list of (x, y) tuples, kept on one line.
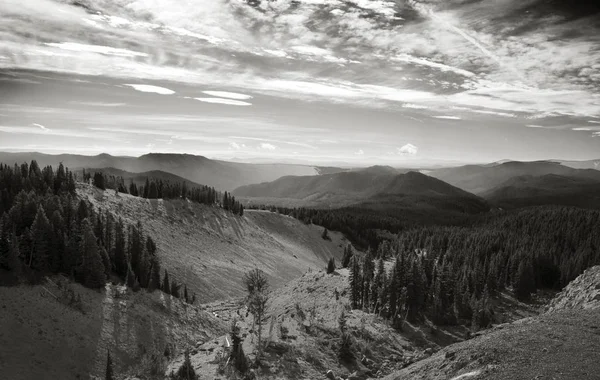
[(210, 249), (45, 336), (303, 337)]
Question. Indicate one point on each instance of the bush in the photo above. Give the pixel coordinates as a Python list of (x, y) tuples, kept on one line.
[(345, 353), (331, 266)]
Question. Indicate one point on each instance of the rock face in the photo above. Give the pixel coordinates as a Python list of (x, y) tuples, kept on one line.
[(581, 293)]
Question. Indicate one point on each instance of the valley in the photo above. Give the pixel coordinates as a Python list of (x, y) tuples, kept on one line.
[(428, 280)]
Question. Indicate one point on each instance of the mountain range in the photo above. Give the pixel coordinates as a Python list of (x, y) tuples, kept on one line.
[(222, 175)]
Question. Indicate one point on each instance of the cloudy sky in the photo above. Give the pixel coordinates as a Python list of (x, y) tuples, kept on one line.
[(323, 81)]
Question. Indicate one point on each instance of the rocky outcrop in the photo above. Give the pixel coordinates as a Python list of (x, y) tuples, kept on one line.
[(581, 293)]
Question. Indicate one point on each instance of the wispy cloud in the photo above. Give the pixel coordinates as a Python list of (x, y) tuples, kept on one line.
[(98, 104), (230, 95), (151, 89), (447, 117), (359, 152), (41, 127), (230, 102)]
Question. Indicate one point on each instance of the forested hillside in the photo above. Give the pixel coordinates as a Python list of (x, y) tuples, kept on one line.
[(452, 274)]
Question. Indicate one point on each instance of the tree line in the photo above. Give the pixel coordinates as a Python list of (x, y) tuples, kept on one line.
[(46, 228), (163, 189), (452, 274)]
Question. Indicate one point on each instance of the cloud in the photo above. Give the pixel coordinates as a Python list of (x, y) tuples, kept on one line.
[(447, 117), (230, 102), (225, 94), (414, 106), (41, 127), (593, 121), (150, 88), (237, 146), (98, 104), (295, 143), (360, 152), (267, 146), (407, 150), (424, 62), (537, 126), (71, 46)]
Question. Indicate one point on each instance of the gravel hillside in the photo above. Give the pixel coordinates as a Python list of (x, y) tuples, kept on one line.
[(210, 249)]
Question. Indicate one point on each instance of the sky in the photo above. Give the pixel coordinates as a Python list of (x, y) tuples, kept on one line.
[(361, 82)]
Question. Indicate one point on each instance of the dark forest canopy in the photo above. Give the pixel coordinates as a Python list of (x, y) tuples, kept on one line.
[(157, 188), (46, 228), (452, 271)]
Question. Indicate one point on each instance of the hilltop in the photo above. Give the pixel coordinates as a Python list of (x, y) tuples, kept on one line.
[(210, 249)]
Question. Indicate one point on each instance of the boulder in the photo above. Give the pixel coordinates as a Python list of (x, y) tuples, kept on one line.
[(330, 375)]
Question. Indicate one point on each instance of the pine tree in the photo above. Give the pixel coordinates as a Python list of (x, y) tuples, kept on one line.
[(355, 283), (109, 367), (154, 282), (175, 288), (130, 279), (186, 371), (166, 285), (347, 256), (120, 253), (525, 281), (40, 233), (331, 265), (237, 356), (153, 191), (92, 268)]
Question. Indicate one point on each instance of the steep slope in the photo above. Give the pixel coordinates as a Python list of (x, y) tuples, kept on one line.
[(222, 175), (553, 189), (583, 293), (45, 335), (210, 249), (563, 343), (478, 179)]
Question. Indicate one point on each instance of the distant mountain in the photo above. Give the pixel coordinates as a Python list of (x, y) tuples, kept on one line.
[(341, 185), (478, 179), (522, 191), (588, 164), (222, 175), (140, 178), (376, 188)]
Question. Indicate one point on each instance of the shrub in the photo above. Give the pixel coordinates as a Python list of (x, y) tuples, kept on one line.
[(331, 266)]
